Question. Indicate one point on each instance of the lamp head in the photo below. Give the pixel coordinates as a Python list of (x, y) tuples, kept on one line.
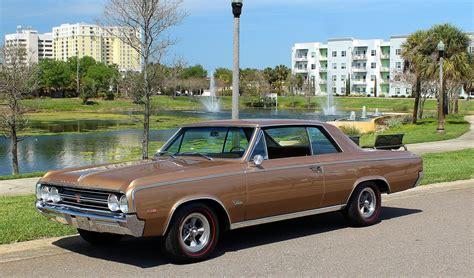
[(441, 49), (237, 7)]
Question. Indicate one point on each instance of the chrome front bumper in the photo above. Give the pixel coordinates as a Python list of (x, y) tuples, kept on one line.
[(123, 224)]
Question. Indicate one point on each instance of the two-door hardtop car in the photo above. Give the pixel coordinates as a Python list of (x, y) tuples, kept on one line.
[(220, 175)]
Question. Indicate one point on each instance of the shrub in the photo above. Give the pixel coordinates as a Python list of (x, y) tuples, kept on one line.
[(350, 130)]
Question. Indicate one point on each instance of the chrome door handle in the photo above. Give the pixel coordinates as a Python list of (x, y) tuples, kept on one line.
[(316, 168)]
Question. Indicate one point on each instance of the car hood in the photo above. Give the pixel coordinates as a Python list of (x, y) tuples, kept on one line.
[(122, 176)]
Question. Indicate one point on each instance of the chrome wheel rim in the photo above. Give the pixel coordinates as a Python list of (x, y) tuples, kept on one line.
[(367, 202), (194, 232)]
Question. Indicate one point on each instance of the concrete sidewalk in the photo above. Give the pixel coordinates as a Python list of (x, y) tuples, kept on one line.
[(18, 187), (465, 141)]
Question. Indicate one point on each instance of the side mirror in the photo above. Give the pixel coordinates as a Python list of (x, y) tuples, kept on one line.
[(257, 160)]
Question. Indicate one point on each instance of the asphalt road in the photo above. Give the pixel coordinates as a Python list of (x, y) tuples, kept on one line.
[(422, 232)]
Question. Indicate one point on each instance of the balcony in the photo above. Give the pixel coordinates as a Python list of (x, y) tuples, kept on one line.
[(359, 81), (323, 69), (384, 81), (323, 82), (301, 70), (301, 58), (384, 69), (385, 56), (359, 57), (359, 69), (323, 58)]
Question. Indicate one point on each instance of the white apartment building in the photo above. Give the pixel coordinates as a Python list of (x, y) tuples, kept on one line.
[(102, 44), (38, 46), (370, 65)]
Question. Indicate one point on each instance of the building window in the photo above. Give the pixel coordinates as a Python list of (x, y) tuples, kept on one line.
[(373, 52), (371, 90), (313, 54), (343, 78), (372, 77), (334, 65), (397, 91), (313, 66), (343, 66), (343, 53), (334, 78), (343, 90), (399, 65), (398, 51), (334, 90), (334, 54), (373, 65)]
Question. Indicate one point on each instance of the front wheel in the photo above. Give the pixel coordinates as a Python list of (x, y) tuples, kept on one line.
[(365, 205), (96, 238), (192, 235)]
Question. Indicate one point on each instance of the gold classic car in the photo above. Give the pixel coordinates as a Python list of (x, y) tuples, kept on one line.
[(214, 176)]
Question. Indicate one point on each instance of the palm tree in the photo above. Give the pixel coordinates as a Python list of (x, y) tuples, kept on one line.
[(413, 50), (457, 65)]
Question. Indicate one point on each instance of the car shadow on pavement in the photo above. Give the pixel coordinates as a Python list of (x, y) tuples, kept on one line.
[(146, 253)]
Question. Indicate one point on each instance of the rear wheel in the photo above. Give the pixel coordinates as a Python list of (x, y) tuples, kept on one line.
[(192, 235), (96, 238), (365, 205)]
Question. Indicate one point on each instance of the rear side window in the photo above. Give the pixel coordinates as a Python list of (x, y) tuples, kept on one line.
[(320, 143), (284, 142)]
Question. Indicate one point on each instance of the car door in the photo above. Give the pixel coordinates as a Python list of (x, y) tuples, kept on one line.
[(289, 179), (339, 174)]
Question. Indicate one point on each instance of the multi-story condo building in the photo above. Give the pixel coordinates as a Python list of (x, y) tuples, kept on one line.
[(37, 46), (102, 44), (367, 66)]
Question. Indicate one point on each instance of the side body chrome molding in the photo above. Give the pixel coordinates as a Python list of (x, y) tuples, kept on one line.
[(285, 217)]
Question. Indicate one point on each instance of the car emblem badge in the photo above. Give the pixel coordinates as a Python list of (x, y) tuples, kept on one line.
[(78, 197)]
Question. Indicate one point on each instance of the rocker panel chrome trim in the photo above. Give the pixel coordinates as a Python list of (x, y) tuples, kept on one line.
[(276, 218)]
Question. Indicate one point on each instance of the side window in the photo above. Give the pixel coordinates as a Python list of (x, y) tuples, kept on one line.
[(283, 142), (236, 140), (260, 148), (320, 142)]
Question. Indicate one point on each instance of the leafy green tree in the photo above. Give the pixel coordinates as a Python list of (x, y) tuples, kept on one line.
[(53, 75), (281, 73), (104, 78), (224, 77), (88, 90), (196, 71)]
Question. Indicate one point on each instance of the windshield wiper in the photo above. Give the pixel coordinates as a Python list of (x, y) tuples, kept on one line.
[(165, 152), (195, 153)]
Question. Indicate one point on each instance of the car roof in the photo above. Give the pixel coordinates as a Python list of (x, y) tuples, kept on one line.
[(255, 123)]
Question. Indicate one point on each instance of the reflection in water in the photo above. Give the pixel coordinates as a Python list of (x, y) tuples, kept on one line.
[(41, 153)]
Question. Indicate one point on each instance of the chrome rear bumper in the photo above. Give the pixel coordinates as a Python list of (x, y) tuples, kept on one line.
[(123, 224), (420, 178)]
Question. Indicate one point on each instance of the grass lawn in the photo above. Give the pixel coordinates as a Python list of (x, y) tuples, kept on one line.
[(448, 166), (22, 176), (423, 131), (193, 103), (21, 222)]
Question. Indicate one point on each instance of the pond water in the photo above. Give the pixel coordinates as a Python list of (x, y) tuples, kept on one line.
[(41, 153)]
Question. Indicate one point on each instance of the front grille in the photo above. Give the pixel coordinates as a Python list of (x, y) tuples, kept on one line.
[(83, 198)]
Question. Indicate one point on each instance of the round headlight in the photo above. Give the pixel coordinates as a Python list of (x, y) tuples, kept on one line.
[(54, 195), (124, 204), (113, 203), (44, 193)]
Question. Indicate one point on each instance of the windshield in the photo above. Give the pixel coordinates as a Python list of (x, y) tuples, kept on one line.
[(210, 142)]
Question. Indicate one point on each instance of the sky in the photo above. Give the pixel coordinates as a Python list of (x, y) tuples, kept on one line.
[(269, 28)]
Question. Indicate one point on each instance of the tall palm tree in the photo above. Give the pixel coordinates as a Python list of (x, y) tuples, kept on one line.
[(413, 50), (457, 65)]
